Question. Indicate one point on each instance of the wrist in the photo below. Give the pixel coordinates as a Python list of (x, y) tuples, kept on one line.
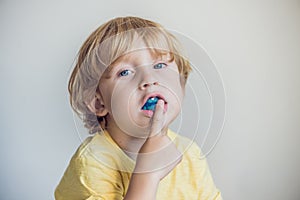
[(151, 178), (142, 186)]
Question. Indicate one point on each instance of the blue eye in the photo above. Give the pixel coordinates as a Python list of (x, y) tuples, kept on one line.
[(160, 65), (125, 72)]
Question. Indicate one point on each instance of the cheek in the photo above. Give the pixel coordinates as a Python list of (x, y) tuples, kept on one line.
[(177, 92), (121, 97), (124, 110), (172, 83)]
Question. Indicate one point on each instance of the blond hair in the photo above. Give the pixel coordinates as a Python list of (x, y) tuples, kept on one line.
[(103, 47)]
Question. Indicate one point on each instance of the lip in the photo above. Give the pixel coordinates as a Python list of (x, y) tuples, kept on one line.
[(153, 94), (150, 113)]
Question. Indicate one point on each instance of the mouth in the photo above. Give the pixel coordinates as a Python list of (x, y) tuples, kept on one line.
[(150, 102)]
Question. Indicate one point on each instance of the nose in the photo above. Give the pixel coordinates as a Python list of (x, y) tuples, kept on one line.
[(147, 78), (144, 84)]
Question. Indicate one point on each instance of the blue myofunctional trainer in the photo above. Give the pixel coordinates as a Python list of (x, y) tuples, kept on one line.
[(150, 103)]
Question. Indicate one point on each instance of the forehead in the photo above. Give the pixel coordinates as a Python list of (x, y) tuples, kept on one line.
[(116, 46), (139, 54), (121, 46)]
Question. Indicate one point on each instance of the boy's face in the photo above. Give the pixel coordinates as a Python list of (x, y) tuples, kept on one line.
[(134, 78)]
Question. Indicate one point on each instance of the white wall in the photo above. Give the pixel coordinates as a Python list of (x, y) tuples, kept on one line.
[(255, 45)]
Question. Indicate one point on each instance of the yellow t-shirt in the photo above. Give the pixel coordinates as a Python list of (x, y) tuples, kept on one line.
[(101, 170)]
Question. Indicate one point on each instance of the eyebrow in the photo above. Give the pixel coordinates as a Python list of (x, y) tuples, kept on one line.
[(113, 65)]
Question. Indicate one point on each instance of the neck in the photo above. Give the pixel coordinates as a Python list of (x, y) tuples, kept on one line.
[(129, 144)]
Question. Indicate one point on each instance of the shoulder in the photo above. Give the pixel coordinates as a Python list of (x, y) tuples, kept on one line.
[(90, 170), (93, 160), (85, 146), (89, 159), (99, 150)]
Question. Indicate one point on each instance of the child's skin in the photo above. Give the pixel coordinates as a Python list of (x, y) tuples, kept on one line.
[(124, 88)]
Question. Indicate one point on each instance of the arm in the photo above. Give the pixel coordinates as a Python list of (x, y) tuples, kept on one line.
[(142, 186), (157, 158)]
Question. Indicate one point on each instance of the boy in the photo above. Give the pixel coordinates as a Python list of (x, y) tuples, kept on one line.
[(128, 85)]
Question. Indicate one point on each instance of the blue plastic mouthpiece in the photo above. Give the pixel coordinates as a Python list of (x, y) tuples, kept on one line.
[(150, 103)]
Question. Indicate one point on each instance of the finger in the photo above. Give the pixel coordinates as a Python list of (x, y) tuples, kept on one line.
[(157, 118)]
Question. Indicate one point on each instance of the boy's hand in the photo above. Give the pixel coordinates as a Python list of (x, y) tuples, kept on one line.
[(157, 158), (158, 155)]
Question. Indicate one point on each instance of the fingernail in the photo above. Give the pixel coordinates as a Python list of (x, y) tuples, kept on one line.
[(160, 103)]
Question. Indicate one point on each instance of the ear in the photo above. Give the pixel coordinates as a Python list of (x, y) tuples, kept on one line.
[(97, 106)]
